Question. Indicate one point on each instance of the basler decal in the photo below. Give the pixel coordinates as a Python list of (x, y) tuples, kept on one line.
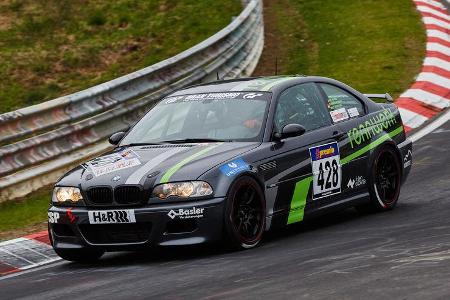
[(189, 213)]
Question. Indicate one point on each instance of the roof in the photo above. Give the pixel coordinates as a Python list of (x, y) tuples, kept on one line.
[(257, 84)]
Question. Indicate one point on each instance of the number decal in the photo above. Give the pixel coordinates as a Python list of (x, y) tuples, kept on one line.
[(325, 161)]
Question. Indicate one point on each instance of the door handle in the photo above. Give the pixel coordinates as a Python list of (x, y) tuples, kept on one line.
[(338, 134)]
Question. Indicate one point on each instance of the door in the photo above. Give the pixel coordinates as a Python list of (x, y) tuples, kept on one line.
[(292, 184), (348, 112)]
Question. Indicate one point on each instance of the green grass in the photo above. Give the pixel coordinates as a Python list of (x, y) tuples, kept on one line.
[(49, 48), (375, 46), (29, 212)]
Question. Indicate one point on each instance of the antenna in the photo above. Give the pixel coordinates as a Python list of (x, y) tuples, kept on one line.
[(217, 73), (276, 65)]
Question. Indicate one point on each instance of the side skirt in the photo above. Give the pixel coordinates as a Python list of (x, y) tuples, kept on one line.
[(279, 219)]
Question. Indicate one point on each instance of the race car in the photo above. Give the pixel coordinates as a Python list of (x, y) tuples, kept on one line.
[(230, 160)]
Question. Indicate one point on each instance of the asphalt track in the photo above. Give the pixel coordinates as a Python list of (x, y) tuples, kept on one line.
[(404, 253)]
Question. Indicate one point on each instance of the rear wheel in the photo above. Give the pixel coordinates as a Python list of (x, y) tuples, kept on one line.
[(80, 255), (385, 180), (245, 213)]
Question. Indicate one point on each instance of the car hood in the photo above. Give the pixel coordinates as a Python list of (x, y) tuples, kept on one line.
[(153, 164)]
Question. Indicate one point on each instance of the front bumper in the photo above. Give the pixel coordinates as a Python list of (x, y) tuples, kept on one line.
[(162, 225)]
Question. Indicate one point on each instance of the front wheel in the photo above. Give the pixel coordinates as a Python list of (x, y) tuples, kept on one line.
[(245, 213)]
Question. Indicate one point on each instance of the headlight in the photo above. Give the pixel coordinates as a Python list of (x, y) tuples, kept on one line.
[(187, 189), (66, 195)]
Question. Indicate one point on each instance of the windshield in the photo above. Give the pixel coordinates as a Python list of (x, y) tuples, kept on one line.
[(233, 116)]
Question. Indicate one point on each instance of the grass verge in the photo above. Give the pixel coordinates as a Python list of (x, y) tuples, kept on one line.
[(49, 48), (24, 216), (374, 46)]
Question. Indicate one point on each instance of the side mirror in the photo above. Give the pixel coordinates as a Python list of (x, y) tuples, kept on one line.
[(116, 137), (290, 130)]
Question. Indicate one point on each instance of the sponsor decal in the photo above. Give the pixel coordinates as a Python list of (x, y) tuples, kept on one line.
[(252, 95), (216, 96), (339, 115), (407, 160), (375, 125), (53, 217), (353, 112), (111, 216), (189, 213), (113, 162), (72, 218), (334, 103), (357, 182), (326, 168), (234, 167)]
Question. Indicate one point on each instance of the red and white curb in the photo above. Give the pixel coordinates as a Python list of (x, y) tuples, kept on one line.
[(26, 252), (430, 94)]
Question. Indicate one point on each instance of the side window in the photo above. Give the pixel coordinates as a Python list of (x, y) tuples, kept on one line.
[(341, 104), (301, 104)]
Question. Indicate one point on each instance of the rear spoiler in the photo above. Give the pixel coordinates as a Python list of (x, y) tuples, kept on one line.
[(386, 96)]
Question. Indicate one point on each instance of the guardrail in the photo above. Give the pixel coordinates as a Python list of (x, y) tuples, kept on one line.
[(40, 142)]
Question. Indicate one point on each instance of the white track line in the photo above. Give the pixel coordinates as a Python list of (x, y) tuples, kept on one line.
[(17, 256), (34, 251), (438, 122)]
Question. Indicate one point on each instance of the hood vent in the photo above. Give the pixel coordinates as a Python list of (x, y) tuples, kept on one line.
[(268, 166)]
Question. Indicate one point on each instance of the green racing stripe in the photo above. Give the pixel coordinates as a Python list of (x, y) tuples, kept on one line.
[(302, 187), (166, 177), (299, 200)]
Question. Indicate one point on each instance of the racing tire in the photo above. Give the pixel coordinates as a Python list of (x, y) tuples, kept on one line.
[(384, 181), (245, 213), (80, 255)]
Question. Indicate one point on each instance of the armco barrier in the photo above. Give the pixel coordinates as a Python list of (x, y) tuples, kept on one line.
[(41, 141)]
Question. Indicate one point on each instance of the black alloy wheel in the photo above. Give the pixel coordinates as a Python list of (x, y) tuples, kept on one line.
[(245, 213), (386, 179)]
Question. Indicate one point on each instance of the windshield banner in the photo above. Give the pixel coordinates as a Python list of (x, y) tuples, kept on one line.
[(218, 96)]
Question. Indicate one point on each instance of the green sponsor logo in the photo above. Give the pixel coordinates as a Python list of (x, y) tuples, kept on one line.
[(371, 127)]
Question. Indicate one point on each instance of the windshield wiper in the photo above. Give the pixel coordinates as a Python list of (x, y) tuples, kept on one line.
[(139, 144), (199, 140)]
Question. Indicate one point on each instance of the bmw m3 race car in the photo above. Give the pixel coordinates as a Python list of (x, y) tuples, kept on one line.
[(229, 160)]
